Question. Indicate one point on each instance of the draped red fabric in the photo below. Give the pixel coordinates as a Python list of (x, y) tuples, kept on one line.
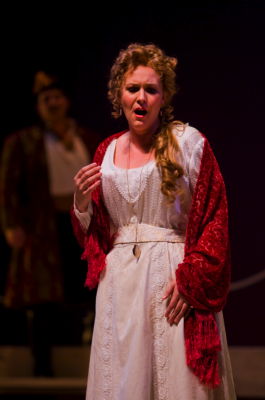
[(98, 241), (204, 275)]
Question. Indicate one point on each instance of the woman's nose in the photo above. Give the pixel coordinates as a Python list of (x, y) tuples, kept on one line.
[(141, 95)]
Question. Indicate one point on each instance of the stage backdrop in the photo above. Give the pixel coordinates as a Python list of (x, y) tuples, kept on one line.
[(221, 92)]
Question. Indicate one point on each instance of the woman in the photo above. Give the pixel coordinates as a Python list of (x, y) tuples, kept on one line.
[(151, 214)]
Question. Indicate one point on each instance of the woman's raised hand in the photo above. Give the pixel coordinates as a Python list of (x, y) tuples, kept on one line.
[(86, 180)]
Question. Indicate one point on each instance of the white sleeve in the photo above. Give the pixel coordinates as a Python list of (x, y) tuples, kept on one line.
[(84, 217), (191, 143), (195, 163)]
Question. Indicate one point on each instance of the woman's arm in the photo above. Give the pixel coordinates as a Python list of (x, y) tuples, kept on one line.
[(86, 181), (192, 149), (204, 275), (84, 218)]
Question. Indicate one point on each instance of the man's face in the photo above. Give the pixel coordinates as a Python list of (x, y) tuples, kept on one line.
[(52, 105)]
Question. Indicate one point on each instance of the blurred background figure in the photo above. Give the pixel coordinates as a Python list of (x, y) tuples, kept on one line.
[(38, 164)]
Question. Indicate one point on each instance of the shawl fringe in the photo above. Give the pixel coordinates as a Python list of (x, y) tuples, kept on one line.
[(203, 344)]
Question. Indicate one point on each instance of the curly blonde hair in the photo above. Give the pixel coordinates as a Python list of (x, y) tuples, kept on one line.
[(165, 142)]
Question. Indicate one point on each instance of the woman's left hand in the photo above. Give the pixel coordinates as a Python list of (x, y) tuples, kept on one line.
[(177, 307)]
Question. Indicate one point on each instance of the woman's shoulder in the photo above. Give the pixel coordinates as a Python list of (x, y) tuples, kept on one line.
[(187, 134), (190, 140), (104, 145), (109, 139)]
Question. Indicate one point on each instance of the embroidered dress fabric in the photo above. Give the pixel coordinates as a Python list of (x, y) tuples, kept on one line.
[(135, 353)]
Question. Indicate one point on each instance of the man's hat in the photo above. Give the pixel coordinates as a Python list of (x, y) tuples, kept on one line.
[(45, 81)]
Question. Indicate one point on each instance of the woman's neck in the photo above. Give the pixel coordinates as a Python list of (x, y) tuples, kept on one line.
[(142, 143), (143, 140)]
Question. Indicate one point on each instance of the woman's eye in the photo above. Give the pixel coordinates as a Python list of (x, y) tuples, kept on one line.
[(133, 89), (151, 90)]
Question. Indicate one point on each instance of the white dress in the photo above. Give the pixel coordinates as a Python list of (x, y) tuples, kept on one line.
[(135, 353)]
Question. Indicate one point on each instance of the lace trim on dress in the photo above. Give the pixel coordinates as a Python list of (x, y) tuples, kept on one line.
[(107, 345), (134, 176), (160, 348)]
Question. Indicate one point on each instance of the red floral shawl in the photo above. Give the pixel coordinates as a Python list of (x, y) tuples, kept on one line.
[(204, 275)]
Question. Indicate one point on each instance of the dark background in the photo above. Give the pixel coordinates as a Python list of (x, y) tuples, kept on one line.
[(220, 48)]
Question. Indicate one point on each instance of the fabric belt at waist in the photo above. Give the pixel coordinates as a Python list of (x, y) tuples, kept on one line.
[(147, 233)]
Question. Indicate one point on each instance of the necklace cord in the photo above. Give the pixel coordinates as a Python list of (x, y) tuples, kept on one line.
[(136, 249)]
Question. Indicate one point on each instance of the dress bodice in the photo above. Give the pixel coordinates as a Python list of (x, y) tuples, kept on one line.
[(134, 195)]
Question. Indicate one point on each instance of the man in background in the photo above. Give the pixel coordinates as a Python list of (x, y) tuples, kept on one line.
[(37, 168)]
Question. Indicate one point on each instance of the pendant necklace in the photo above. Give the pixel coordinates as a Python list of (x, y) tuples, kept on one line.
[(136, 248)]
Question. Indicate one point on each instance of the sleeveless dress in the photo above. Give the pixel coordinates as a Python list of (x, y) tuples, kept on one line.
[(135, 353)]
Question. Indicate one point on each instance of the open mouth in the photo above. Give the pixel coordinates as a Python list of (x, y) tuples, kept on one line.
[(140, 111)]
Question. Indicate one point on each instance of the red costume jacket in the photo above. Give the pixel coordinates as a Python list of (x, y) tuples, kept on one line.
[(35, 271), (203, 277)]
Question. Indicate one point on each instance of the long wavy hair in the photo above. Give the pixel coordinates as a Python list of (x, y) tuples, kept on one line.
[(165, 142)]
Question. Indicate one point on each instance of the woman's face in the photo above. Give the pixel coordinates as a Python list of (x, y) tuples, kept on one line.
[(141, 99)]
